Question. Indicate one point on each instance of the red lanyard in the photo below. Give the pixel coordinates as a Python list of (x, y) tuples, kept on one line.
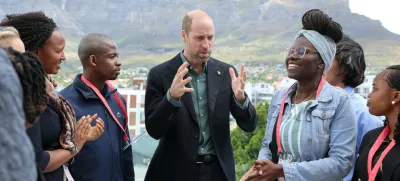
[(121, 105), (282, 108), (372, 173)]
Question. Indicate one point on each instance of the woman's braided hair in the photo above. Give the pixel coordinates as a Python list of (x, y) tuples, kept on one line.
[(320, 22), (393, 79), (33, 82)]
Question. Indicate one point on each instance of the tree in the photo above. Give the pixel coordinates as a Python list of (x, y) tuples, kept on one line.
[(247, 145)]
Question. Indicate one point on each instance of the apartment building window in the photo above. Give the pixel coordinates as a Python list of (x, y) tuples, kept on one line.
[(366, 90), (141, 115), (141, 99)]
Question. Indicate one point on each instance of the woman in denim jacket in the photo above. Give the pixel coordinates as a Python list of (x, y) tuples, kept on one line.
[(311, 128)]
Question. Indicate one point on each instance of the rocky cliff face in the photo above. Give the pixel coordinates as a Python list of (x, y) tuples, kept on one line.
[(151, 25)]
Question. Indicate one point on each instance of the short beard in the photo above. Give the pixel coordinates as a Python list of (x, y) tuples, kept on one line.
[(199, 59), (194, 56)]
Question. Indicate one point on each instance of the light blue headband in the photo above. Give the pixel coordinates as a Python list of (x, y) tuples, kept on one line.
[(324, 45)]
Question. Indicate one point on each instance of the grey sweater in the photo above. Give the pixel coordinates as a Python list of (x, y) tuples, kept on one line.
[(17, 159)]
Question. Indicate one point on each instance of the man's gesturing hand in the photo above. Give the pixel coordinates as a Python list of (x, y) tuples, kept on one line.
[(178, 84), (238, 83)]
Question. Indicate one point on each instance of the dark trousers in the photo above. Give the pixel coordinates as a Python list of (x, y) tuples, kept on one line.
[(210, 172)]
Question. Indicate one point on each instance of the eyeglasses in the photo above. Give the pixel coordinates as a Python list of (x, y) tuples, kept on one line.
[(299, 52)]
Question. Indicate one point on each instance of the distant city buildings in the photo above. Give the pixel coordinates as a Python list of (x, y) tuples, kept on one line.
[(365, 88), (135, 105), (258, 92), (132, 83)]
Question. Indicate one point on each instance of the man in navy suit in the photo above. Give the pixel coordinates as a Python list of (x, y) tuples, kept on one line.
[(187, 105)]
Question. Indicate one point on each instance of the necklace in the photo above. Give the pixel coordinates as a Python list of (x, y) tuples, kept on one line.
[(295, 96)]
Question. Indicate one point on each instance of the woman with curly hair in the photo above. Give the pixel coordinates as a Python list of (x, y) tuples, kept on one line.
[(310, 134), (56, 137), (379, 154)]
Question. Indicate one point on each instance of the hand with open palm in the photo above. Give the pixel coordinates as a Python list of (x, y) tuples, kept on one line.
[(238, 83)]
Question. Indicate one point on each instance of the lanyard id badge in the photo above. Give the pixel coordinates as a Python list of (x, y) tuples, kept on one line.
[(67, 174), (287, 157)]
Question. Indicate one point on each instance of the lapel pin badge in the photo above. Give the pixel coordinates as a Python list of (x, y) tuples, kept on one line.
[(218, 72)]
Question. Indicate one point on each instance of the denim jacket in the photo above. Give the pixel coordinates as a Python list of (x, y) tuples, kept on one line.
[(328, 138)]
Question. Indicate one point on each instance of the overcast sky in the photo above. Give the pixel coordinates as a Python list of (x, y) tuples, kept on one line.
[(387, 11)]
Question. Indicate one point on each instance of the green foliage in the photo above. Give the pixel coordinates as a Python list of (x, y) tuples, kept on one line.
[(247, 145)]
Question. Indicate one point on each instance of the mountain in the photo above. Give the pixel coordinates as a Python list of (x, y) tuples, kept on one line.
[(148, 31)]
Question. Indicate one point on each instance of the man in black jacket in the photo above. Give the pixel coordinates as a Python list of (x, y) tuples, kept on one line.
[(187, 105)]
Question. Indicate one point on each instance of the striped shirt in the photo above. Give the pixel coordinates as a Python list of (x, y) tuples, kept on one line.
[(291, 132)]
